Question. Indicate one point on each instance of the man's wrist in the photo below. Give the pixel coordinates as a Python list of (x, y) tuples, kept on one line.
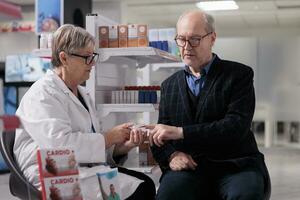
[(172, 156), (180, 132)]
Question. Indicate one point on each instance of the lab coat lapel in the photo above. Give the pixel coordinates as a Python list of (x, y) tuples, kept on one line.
[(86, 96), (69, 94), (64, 88)]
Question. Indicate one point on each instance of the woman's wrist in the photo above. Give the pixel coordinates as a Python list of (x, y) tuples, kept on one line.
[(108, 140), (121, 150)]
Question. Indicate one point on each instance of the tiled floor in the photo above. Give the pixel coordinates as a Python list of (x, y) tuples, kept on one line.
[(284, 169)]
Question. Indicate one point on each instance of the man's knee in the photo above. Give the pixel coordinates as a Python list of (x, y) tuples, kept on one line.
[(245, 192), (249, 195), (178, 185)]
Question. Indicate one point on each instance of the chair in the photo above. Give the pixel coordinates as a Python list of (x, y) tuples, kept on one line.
[(18, 184), (267, 193)]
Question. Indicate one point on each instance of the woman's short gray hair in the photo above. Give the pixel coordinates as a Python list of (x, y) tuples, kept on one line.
[(69, 38)]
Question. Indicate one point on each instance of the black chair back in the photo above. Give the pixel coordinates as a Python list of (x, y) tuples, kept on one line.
[(267, 193), (18, 184)]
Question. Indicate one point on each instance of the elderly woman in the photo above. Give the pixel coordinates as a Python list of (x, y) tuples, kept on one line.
[(57, 112)]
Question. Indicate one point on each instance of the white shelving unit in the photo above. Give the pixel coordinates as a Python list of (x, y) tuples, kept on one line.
[(119, 67), (177, 65), (141, 55), (44, 53), (106, 109), (133, 56)]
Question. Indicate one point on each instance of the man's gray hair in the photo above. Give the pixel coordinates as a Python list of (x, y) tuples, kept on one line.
[(69, 38), (209, 20)]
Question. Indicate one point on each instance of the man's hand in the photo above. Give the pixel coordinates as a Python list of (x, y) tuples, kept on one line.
[(182, 161), (160, 133)]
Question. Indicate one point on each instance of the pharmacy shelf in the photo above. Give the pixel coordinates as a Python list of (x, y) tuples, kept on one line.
[(158, 66), (142, 55), (106, 109), (144, 169), (43, 53)]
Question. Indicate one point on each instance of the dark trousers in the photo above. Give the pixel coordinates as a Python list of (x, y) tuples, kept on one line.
[(205, 184), (146, 190)]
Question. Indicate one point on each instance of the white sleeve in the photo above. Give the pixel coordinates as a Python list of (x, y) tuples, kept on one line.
[(45, 117)]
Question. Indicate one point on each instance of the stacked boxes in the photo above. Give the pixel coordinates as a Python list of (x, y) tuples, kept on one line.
[(59, 174), (136, 94), (164, 39), (114, 36)]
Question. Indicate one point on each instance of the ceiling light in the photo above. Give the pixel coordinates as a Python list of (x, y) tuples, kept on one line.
[(217, 5)]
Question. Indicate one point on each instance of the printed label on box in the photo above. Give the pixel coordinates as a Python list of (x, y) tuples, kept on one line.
[(109, 184), (58, 170), (63, 188)]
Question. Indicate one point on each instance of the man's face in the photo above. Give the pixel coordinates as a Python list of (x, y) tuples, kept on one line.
[(112, 188), (192, 27)]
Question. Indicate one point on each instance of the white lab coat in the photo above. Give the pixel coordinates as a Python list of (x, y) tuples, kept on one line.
[(52, 116)]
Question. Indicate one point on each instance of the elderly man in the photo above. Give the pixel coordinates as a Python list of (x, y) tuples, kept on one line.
[(203, 142)]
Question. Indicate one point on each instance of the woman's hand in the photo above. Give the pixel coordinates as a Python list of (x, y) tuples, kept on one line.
[(137, 137), (117, 135)]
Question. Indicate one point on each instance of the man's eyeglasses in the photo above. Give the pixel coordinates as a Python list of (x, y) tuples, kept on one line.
[(193, 41), (88, 59)]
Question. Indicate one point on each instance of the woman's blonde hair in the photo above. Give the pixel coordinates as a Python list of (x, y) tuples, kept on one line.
[(69, 38)]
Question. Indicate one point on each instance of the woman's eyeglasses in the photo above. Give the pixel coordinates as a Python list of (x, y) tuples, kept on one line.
[(88, 59)]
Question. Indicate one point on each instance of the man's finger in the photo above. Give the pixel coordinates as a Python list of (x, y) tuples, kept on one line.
[(160, 140), (155, 140), (150, 138), (150, 126), (127, 125)]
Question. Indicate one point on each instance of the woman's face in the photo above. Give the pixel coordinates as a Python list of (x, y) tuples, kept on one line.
[(78, 69)]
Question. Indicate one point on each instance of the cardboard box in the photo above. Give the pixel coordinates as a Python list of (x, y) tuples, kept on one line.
[(142, 30), (123, 35), (59, 174), (153, 35), (143, 42), (113, 37), (123, 31), (103, 36), (132, 35)]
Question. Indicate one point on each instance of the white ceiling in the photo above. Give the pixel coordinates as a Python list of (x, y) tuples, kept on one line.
[(251, 13)]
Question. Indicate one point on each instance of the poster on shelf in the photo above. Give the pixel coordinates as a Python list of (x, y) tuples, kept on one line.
[(48, 15), (25, 68)]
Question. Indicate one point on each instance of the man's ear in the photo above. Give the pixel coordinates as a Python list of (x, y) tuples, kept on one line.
[(63, 58), (213, 38)]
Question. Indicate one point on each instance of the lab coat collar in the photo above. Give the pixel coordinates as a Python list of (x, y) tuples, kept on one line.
[(69, 93), (62, 86)]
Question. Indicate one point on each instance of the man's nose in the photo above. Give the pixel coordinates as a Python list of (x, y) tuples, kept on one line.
[(187, 45)]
